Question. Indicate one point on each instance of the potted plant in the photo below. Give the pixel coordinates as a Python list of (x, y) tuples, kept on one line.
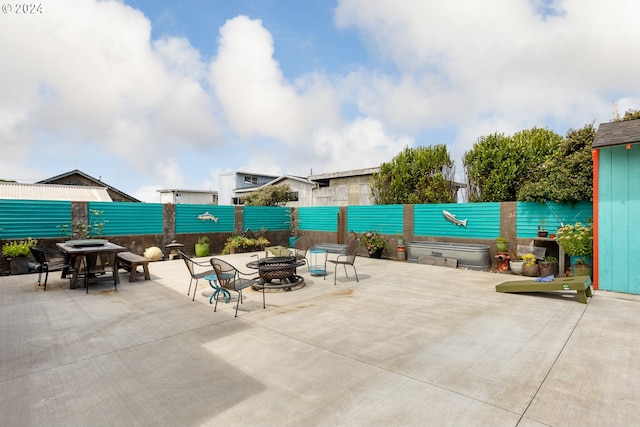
[(530, 267), (542, 231), (516, 264), (375, 244), (548, 266), (17, 252), (400, 239), (576, 240), (502, 244), (244, 244), (202, 247)]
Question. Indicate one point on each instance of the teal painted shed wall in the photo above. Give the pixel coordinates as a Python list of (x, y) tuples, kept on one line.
[(318, 218), (618, 210), (125, 218), (529, 215), (272, 218), (20, 219), (385, 219), (483, 220), (187, 219)]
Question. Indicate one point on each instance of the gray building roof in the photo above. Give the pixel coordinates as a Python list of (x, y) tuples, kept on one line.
[(74, 193), (617, 133)]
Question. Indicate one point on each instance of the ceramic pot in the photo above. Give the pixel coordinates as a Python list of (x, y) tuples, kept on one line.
[(548, 269), (502, 246), (516, 266), (582, 269), (376, 254), (202, 250)]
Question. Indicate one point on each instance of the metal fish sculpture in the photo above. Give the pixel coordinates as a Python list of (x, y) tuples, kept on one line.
[(207, 217), (452, 218)]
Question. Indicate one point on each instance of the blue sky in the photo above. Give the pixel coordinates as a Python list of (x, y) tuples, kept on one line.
[(168, 94)]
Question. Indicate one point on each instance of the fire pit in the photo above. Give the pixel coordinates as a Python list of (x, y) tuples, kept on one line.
[(281, 268)]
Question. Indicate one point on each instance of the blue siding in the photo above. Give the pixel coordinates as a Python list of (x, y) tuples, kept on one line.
[(272, 218), (483, 220), (529, 216), (187, 219), (385, 219), (618, 206), (319, 218), (20, 219), (125, 218)]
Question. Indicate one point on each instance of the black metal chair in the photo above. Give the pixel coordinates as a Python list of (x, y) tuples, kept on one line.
[(50, 260), (348, 259), (101, 267), (196, 272), (229, 279)]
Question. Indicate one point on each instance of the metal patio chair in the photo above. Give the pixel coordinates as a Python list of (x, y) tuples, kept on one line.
[(50, 260), (348, 259), (229, 278)]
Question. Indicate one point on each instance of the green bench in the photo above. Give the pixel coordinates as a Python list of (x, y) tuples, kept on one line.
[(581, 284)]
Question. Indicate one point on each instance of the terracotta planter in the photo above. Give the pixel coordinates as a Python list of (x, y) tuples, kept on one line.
[(530, 270)]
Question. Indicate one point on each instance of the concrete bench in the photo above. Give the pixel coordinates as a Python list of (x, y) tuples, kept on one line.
[(130, 262), (580, 284)]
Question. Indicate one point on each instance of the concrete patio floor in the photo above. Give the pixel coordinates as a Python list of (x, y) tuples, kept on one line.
[(409, 344)]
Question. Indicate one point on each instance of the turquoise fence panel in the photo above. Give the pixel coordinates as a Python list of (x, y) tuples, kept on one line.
[(212, 219), (272, 218), (483, 220), (124, 218), (318, 218), (530, 215), (20, 219), (385, 219)]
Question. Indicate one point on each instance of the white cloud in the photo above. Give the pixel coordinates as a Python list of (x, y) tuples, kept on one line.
[(464, 60), (86, 73), (255, 97)]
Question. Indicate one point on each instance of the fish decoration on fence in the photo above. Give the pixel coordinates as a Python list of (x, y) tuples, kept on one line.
[(207, 217), (452, 218)]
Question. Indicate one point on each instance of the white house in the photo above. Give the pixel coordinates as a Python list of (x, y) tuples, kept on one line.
[(194, 197)]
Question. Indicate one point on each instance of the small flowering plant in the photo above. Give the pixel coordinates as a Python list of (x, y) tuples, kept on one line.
[(374, 242), (529, 260), (576, 239)]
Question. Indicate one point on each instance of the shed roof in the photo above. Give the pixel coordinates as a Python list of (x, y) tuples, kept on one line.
[(617, 133), (74, 193)]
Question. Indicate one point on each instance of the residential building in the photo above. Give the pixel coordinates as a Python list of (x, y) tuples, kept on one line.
[(195, 197)]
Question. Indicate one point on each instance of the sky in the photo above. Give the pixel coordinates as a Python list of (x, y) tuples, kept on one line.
[(159, 94)]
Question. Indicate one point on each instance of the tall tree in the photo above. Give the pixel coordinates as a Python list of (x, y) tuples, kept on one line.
[(497, 166), (415, 175), (567, 176), (270, 195)]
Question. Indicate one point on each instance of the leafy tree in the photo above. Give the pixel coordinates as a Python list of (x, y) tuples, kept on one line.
[(498, 166), (567, 176), (629, 115), (415, 175), (270, 195)]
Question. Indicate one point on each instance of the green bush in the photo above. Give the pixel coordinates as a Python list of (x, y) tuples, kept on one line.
[(17, 248)]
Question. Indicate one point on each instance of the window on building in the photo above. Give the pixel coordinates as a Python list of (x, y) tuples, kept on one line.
[(238, 201), (294, 196), (250, 179)]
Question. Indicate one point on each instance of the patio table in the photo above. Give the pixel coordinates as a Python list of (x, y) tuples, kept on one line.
[(79, 249)]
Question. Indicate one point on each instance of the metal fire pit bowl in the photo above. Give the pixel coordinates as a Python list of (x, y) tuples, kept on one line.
[(282, 268)]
